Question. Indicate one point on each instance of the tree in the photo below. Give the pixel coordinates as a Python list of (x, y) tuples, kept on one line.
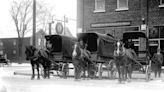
[(21, 13)]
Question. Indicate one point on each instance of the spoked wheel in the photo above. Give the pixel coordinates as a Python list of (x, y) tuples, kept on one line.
[(59, 70), (63, 70)]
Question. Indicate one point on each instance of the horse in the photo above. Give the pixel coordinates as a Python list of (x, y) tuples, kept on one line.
[(45, 62), (37, 58), (123, 60), (157, 61), (81, 61)]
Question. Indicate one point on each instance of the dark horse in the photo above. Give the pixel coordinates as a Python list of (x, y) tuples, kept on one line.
[(124, 59), (37, 58), (81, 60)]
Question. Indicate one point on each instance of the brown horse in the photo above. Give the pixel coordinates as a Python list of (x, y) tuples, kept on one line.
[(123, 60), (157, 61), (37, 58), (81, 61)]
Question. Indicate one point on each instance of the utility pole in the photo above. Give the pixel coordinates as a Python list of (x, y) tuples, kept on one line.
[(64, 23), (49, 28), (34, 22)]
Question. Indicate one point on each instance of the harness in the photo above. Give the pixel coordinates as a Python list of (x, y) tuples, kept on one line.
[(35, 56)]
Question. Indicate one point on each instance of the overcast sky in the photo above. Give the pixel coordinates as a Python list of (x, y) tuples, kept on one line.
[(61, 8)]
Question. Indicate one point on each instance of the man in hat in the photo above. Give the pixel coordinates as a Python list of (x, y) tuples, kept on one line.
[(158, 61)]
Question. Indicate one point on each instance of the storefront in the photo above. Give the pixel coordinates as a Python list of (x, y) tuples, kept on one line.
[(156, 38)]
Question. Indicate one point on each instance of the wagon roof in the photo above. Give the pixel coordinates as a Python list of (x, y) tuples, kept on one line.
[(106, 37), (133, 35), (51, 37)]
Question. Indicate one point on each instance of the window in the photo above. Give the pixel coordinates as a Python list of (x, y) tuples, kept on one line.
[(14, 52), (99, 6), (1, 43), (156, 32), (14, 42), (161, 4), (122, 5)]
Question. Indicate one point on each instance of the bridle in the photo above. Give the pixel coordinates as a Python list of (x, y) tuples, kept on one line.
[(120, 50)]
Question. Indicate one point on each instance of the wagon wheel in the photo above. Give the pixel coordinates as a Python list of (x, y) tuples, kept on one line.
[(100, 71), (148, 71), (59, 70), (63, 70)]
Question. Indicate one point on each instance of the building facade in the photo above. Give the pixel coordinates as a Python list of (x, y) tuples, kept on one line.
[(9, 47), (117, 16)]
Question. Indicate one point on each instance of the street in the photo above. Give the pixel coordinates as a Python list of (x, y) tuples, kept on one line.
[(23, 83)]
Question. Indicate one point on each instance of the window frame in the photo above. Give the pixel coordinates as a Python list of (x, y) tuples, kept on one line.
[(161, 4), (1, 43), (96, 7), (14, 42), (122, 8)]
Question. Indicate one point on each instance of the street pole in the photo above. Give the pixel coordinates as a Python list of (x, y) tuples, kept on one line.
[(49, 28), (64, 24), (34, 22)]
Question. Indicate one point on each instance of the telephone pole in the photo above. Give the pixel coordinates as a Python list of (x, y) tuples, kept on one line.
[(34, 22)]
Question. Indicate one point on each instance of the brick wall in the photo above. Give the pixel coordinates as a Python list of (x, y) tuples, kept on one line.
[(137, 11)]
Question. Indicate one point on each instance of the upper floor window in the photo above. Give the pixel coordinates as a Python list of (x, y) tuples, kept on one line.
[(1, 43), (122, 5), (161, 3), (14, 43), (99, 6)]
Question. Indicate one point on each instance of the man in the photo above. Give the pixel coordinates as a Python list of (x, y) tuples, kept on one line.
[(158, 61), (85, 52)]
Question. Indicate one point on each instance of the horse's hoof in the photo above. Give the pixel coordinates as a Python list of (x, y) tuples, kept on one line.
[(119, 81), (32, 78), (128, 81), (123, 82), (77, 79), (38, 78)]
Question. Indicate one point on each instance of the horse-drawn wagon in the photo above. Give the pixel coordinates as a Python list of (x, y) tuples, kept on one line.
[(101, 47), (141, 48), (60, 53), (4, 60)]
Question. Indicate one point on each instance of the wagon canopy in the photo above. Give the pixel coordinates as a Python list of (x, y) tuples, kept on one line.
[(61, 44), (102, 44)]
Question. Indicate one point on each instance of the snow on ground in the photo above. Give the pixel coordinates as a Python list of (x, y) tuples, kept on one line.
[(23, 83)]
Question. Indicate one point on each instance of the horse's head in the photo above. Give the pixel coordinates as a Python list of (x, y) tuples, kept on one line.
[(29, 52), (119, 48), (76, 50)]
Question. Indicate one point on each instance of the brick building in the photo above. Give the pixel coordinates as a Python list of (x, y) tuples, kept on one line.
[(117, 16), (9, 46)]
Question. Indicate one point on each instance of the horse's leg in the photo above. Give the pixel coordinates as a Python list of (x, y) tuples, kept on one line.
[(119, 74), (44, 70), (122, 72), (125, 72), (130, 72), (76, 72), (48, 70), (38, 71), (159, 71), (155, 71), (33, 70)]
